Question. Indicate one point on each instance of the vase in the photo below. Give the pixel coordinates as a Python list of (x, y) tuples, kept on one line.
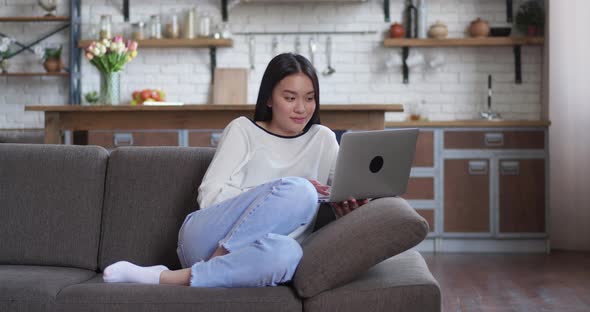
[(53, 65), (438, 31), (397, 31), (4, 65), (109, 88), (479, 28)]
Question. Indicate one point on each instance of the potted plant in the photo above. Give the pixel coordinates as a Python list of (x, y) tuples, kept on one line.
[(109, 57), (530, 18), (5, 53), (52, 60)]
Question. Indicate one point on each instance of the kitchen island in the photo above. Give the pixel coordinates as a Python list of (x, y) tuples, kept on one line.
[(67, 121)]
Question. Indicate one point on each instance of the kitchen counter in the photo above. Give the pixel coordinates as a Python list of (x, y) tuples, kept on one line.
[(468, 123), (83, 118)]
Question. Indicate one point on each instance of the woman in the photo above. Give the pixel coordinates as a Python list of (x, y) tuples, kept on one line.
[(259, 195)]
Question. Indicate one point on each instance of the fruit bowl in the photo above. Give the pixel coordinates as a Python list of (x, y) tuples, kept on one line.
[(147, 95)]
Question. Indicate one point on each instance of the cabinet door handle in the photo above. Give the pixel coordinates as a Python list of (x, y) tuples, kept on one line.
[(478, 167), (494, 139), (509, 167), (123, 139), (214, 140)]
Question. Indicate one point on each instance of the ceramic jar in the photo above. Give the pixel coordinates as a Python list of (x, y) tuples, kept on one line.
[(53, 65), (438, 31), (397, 31), (479, 28)]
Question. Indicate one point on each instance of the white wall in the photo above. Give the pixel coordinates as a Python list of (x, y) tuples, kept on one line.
[(457, 92), (569, 111)]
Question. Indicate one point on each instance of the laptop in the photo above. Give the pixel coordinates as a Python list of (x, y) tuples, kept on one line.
[(372, 164)]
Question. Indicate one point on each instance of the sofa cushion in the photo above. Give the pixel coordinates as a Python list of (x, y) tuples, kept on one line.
[(401, 283), (149, 191), (33, 288), (51, 204), (95, 295), (347, 247)]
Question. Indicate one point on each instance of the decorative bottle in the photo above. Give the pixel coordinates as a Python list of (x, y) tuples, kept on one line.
[(411, 16)]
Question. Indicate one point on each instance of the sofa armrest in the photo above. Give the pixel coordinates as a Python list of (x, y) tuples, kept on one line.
[(347, 247)]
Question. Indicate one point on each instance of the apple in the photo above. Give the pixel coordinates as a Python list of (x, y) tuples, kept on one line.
[(156, 95), (146, 94)]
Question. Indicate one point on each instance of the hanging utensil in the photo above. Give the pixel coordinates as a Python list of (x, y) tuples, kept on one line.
[(297, 45), (312, 49), (252, 51), (329, 70), (275, 46)]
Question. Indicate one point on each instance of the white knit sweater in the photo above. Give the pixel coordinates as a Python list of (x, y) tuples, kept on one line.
[(248, 155)]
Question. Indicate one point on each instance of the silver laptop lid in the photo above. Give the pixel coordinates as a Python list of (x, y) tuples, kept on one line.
[(373, 164)]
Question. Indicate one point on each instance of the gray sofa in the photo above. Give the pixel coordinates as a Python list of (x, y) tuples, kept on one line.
[(67, 212)]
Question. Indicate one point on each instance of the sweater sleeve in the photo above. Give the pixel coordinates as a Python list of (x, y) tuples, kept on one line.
[(230, 156)]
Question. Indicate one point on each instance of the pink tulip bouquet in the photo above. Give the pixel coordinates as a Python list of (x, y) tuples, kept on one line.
[(110, 56)]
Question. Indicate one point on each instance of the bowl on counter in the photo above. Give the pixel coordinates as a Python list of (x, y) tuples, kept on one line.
[(500, 31)]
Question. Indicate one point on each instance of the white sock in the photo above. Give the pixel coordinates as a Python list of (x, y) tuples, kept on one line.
[(127, 272)]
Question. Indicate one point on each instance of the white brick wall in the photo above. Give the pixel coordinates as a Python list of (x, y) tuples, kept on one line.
[(457, 91)]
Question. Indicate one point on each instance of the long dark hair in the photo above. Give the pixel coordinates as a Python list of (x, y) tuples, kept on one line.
[(280, 67)]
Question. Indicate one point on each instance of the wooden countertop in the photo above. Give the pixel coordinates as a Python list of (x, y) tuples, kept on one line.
[(469, 123), (208, 107)]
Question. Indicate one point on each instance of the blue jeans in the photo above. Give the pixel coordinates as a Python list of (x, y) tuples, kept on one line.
[(252, 227)]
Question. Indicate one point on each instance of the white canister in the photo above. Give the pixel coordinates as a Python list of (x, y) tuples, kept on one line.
[(422, 19), (205, 25), (189, 24)]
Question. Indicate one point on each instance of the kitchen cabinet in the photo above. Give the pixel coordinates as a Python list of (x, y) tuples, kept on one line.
[(428, 214), (522, 196), (481, 185), (113, 139), (203, 138), (420, 188), (467, 194), (424, 156), (494, 139)]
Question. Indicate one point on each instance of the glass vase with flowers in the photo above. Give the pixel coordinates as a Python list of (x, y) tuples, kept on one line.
[(109, 56)]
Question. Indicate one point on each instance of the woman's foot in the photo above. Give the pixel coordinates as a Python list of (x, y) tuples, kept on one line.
[(127, 272)]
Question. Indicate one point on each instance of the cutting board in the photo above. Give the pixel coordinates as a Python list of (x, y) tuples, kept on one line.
[(230, 86)]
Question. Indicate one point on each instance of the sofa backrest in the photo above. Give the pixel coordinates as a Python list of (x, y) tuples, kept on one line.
[(51, 200), (148, 193)]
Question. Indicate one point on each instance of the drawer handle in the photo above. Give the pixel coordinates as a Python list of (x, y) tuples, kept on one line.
[(494, 139), (215, 137), (123, 139), (478, 167), (509, 167)]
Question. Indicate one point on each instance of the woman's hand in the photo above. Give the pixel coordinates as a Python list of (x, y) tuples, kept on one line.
[(343, 208), (322, 189)]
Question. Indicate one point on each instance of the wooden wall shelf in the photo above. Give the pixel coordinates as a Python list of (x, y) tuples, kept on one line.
[(175, 43), (35, 19), (515, 42), (62, 74), (210, 43), (464, 42)]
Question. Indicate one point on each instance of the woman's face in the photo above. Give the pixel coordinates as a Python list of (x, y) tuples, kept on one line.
[(293, 105)]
